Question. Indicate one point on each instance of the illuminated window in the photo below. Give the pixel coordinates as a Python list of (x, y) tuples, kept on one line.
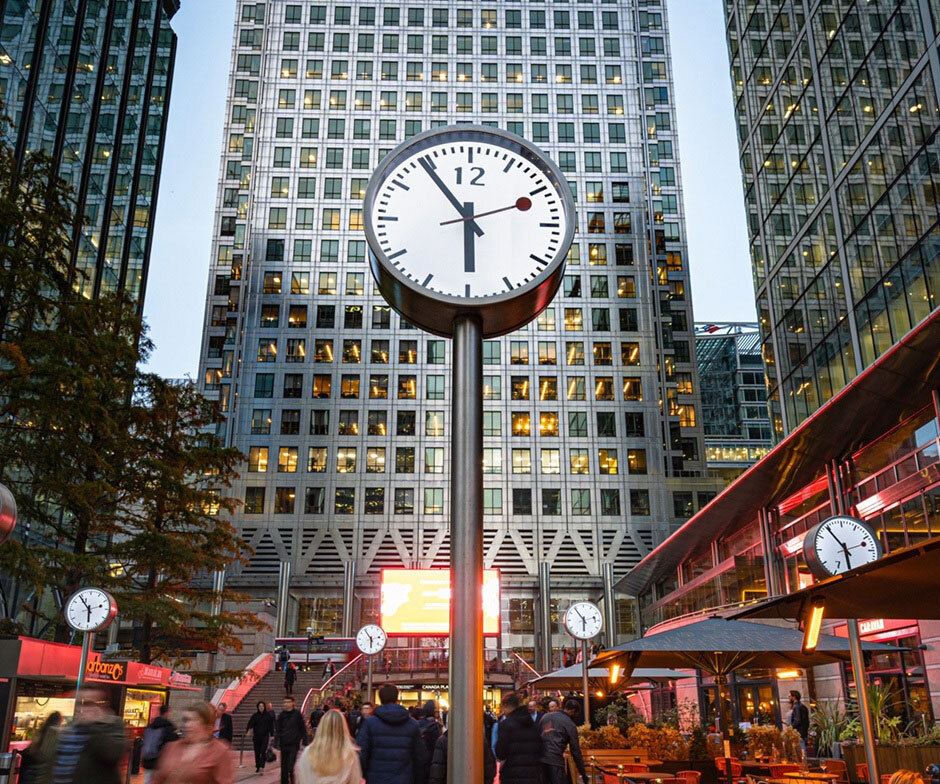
[(630, 353), (378, 387), (258, 459), (349, 387), (352, 351), (404, 460), (597, 254), (322, 386), (636, 461), (576, 388), (491, 387), (375, 460), (287, 460), (492, 460), (684, 383), (434, 423), (522, 461), (327, 283), (574, 353), (548, 423), (632, 389), (574, 320), (518, 352), (548, 388), (686, 414), (434, 460), (607, 461), (379, 355), (316, 459), (346, 460), (267, 350), (604, 388), (550, 461), (520, 423), (547, 353), (378, 421), (603, 354), (546, 320), (520, 387), (284, 498), (407, 387), (323, 351), (404, 505), (578, 461)]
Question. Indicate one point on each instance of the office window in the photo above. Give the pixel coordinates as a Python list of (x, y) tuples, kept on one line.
[(580, 501), (550, 461), (322, 385), (404, 460), (434, 423), (315, 500), (492, 423), (434, 460), (258, 459), (434, 388), (492, 500), (316, 459), (522, 501), (551, 501), (404, 500), (492, 460), (254, 500), (405, 423), (375, 460), (521, 423), (433, 500), (522, 461), (348, 423), (346, 460), (344, 500), (610, 501), (640, 502), (578, 461)]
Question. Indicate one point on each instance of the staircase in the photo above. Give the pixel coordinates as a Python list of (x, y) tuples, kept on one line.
[(271, 689)]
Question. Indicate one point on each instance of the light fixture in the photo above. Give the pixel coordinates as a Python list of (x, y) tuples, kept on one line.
[(783, 675), (615, 673), (812, 623)]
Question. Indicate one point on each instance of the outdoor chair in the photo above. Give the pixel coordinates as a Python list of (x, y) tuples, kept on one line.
[(689, 776), (886, 778), (673, 781), (837, 768), (778, 771), (861, 771), (736, 769)]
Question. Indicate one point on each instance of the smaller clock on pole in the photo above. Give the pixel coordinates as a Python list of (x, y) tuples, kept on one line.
[(370, 639), (584, 622), (88, 610), (839, 544)]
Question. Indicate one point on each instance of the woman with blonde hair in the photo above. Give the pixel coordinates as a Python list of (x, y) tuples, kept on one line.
[(332, 758)]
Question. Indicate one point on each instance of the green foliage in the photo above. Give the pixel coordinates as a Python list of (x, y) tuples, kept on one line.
[(698, 745), (623, 711), (828, 723)]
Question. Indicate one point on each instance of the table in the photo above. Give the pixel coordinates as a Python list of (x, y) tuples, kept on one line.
[(648, 776), (808, 776)]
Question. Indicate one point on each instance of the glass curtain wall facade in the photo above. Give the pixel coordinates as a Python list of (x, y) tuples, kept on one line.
[(341, 408), (88, 83), (837, 114)]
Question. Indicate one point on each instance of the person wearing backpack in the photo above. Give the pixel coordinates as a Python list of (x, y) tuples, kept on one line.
[(157, 734), (430, 731)]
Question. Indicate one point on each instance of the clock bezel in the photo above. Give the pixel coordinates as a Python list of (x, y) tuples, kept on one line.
[(434, 311), (384, 641), (575, 634), (112, 610), (811, 556)]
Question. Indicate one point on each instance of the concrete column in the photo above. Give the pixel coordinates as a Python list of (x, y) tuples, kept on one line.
[(283, 596), (545, 616), (610, 606), (218, 587), (349, 598)]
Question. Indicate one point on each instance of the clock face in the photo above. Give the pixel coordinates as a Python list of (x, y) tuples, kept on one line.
[(90, 610), (472, 218), (371, 639), (583, 620), (839, 544)]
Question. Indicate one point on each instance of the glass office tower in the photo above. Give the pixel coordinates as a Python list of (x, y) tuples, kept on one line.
[(88, 83), (837, 117), (342, 409)]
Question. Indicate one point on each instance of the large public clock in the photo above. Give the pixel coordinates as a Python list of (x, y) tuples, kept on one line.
[(583, 620), (468, 219), (90, 610), (371, 639), (838, 544)]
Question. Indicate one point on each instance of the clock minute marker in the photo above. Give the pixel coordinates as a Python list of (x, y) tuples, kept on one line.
[(508, 283), (427, 279), (398, 253)]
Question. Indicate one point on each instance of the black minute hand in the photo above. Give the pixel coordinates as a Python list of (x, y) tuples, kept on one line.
[(429, 168)]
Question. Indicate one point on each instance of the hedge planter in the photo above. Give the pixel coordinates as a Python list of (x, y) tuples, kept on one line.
[(891, 758)]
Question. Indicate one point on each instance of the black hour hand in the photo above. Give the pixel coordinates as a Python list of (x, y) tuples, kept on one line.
[(429, 168)]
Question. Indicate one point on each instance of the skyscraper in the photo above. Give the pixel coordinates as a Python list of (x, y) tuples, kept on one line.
[(88, 82), (342, 409), (837, 120)]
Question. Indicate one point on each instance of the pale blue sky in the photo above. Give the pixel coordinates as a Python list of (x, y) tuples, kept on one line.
[(176, 289)]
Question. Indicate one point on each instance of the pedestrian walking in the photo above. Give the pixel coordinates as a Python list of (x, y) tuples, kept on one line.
[(799, 717), (517, 743), (158, 733), (438, 771), (430, 727), (36, 762), (329, 669), (91, 749), (316, 716), (290, 676), (558, 732), (332, 757), (282, 658), (261, 727), (390, 745), (290, 733), (223, 729), (197, 757)]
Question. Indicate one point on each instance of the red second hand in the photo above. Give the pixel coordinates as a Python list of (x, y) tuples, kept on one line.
[(522, 204)]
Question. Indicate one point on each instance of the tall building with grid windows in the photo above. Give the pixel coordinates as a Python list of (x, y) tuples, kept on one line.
[(591, 414), (837, 109), (88, 83)]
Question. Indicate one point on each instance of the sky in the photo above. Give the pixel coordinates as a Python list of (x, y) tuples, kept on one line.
[(176, 288)]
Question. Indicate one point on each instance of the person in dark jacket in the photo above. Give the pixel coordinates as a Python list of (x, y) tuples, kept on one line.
[(799, 717), (438, 772), (557, 732), (92, 748), (261, 726), (316, 715), (36, 761), (390, 744), (430, 730), (223, 724), (163, 731), (290, 676), (290, 732), (517, 743)]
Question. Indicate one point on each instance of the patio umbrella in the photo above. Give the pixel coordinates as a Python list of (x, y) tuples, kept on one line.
[(720, 646), (599, 677)]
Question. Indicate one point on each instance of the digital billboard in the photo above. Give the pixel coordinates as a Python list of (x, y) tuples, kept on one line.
[(417, 601)]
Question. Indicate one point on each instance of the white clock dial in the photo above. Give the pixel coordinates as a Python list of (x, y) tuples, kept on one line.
[(371, 639), (90, 610), (839, 544), (470, 219), (583, 620)]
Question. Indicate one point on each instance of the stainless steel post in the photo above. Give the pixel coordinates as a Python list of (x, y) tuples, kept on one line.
[(83, 665), (283, 593), (349, 598), (545, 607), (584, 682), (218, 588), (610, 606), (369, 680), (465, 719), (864, 710)]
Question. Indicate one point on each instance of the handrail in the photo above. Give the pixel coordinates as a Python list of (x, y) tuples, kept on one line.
[(526, 664), (327, 682), (238, 689)]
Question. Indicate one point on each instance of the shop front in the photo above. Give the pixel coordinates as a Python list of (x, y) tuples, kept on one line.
[(38, 678)]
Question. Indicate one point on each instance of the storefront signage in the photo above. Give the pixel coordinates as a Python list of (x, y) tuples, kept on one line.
[(180, 679), (106, 670), (871, 626)]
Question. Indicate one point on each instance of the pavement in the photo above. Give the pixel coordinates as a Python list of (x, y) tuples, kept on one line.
[(271, 774)]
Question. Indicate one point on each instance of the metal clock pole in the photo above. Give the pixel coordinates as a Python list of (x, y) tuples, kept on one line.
[(861, 689), (465, 719), (87, 638), (584, 682), (370, 657)]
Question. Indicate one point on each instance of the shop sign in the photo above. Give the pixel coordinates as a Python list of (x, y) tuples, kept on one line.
[(180, 679), (147, 673), (106, 670), (871, 626)]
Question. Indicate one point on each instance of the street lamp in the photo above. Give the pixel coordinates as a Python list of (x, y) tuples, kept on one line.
[(309, 640)]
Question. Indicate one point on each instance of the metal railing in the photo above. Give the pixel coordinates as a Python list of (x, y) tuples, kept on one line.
[(335, 684), (238, 689)]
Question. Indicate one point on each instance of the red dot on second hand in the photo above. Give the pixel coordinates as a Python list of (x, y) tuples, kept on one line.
[(523, 203)]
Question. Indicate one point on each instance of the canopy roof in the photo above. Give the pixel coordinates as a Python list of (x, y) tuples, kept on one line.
[(720, 646), (904, 584), (570, 677)]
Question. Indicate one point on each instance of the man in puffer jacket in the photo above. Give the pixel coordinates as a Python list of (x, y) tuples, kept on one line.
[(439, 763), (517, 744), (390, 745)]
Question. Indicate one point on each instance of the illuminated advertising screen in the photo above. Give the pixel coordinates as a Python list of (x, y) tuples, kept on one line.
[(417, 601)]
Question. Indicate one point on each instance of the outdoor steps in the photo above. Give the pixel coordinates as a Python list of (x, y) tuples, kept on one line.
[(271, 689)]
